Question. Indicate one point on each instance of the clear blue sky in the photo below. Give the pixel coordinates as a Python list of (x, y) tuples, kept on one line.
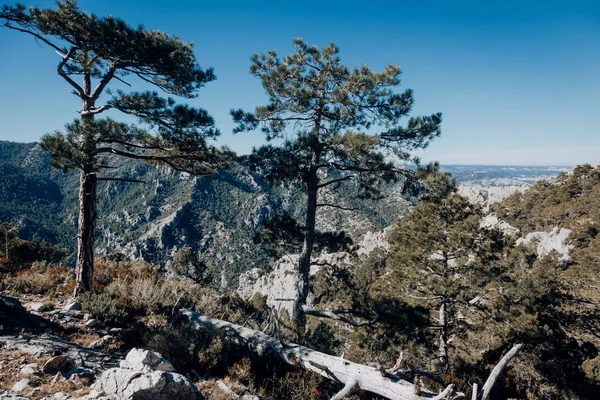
[(518, 82)]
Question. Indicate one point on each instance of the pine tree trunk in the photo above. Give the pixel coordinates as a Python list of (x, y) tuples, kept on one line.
[(86, 231), (84, 270), (305, 256)]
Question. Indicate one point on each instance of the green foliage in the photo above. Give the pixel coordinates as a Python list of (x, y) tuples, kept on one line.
[(105, 308), (186, 263)]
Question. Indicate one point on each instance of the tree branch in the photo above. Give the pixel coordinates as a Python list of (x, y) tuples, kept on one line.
[(335, 206), (63, 74), (331, 182), (334, 314), (121, 180), (495, 374), (104, 81)]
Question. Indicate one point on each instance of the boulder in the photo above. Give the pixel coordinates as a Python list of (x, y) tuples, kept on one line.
[(72, 306), (38, 307), (93, 323), (58, 364), (140, 359), (145, 375), (10, 305), (23, 384)]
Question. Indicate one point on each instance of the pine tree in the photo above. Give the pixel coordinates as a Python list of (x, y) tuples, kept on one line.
[(338, 125), (99, 51), (441, 257)]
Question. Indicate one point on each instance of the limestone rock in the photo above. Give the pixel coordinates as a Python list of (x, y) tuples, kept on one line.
[(72, 306), (10, 395), (545, 242), (140, 359), (22, 385), (92, 323), (139, 378), (492, 221), (28, 369), (98, 344), (38, 307)]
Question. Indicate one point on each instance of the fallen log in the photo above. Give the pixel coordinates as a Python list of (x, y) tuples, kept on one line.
[(354, 377)]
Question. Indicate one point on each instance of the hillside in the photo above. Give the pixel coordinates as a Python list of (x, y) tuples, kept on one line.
[(217, 216)]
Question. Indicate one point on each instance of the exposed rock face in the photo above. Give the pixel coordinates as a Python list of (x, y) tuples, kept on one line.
[(487, 195), (66, 355), (548, 241), (280, 285), (492, 221), (137, 379)]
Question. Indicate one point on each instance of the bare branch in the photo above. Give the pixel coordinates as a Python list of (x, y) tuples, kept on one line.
[(495, 374), (104, 81), (331, 182), (335, 206), (63, 74), (334, 314), (121, 180)]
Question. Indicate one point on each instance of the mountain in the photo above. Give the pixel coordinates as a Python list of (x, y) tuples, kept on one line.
[(217, 216)]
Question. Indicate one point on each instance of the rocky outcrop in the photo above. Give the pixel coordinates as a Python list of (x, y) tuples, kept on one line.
[(145, 375), (68, 358), (492, 221), (545, 242), (487, 195)]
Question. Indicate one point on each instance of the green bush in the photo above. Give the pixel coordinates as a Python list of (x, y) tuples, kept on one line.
[(105, 308)]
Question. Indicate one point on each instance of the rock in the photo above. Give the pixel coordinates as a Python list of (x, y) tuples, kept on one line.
[(93, 323), (114, 331), (57, 378), (492, 221), (128, 384), (545, 242), (10, 305), (57, 396), (139, 359), (147, 375), (98, 344), (58, 364), (21, 385), (28, 369), (10, 395), (38, 307), (72, 306)]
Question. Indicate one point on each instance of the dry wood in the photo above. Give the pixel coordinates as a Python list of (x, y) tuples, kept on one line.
[(352, 375)]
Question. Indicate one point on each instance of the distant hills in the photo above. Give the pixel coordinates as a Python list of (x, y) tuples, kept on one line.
[(217, 216)]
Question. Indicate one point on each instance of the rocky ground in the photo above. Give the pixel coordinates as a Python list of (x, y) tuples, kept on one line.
[(55, 351)]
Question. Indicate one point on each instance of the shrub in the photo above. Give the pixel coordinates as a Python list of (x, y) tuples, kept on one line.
[(40, 279), (104, 307)]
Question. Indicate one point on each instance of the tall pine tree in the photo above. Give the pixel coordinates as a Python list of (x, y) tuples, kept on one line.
[(94, 53), (337, 124)]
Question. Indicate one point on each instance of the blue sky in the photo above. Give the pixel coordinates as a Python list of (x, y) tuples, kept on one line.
[(518, 82)]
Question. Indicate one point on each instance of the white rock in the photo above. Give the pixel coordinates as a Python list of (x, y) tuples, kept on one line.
[(140, 359), (101, 342), (547, 241), (38, 307), (21, 385), (72, 306), (28, 369), (92, 323), (492, 221), (129, 384)]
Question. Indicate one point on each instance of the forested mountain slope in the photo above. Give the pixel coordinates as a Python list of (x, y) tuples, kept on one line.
[(217, 216)]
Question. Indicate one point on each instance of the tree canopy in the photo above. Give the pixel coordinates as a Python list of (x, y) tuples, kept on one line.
[(336, 125), (98, 52)]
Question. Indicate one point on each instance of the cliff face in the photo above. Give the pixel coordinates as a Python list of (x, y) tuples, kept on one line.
[(217, 216)]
